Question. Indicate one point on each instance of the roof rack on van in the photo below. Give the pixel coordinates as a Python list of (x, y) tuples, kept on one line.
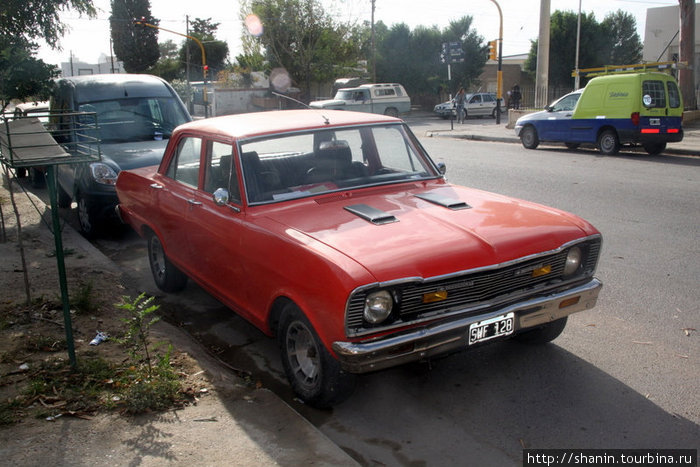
[(636, 68)]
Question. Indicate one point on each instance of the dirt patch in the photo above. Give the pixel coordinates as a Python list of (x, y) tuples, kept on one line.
[(34, 362)]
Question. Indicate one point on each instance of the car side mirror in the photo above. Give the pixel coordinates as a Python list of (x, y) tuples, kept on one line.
[(442, 167), (549, 108), (221, 197)]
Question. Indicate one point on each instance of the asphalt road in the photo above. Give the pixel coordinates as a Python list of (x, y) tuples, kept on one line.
[(624, 375)]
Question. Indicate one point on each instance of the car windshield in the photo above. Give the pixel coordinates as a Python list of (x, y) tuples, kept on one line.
[(296, 165), (136, 119)]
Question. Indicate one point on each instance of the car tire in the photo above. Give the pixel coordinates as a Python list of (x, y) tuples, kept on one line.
[(391, 112), (572, 146), (87, 218), (64, 198), (315, 376), (38, 177), (654, 149), (608, 143), (529, 138), (543, 334), (167, 277)]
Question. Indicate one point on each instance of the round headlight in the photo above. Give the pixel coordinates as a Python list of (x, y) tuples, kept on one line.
[(378, 306), (573, 261)]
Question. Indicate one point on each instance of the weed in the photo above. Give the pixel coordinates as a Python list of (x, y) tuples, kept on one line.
[(139, 324), (83, 301), (9, 412)]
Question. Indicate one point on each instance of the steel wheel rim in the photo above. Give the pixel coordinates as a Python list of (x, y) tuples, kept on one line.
[(157, 258), (84, 215), (607, 143), (303, 354), (529, 136)]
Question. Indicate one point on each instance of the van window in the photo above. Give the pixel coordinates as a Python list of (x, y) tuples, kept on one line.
[(135, 119), (384, 92), (674, 97), (656, 90)]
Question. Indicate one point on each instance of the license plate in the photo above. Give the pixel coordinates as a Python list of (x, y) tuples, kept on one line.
[(655, 121), (492, 328)]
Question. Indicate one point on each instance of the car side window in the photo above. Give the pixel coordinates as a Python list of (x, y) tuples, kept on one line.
[(475, 100), (185, 165), (221, 171), (567, 103)]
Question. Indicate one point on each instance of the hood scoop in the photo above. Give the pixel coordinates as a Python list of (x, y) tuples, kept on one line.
[(440, 200), (373, 215)]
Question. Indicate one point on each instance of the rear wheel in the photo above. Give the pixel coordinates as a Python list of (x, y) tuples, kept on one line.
[(315, 376), (167, 277), (608, 143), (654, 149), (543, 334), (528, 136), (391, 111)]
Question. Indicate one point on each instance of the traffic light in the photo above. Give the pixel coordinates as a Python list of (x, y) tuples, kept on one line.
[(493, 50)]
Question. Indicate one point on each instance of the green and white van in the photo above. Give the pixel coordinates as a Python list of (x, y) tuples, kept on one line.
[(612, 110)]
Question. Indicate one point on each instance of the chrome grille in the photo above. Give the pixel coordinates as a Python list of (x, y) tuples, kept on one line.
[(472, 289)]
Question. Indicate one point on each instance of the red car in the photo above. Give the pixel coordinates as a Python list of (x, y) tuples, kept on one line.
[(335, 232)]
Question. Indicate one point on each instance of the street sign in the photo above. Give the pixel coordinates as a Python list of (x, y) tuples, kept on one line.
[(451, 52)]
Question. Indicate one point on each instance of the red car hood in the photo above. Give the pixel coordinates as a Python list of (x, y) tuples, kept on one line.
[(429, 239)]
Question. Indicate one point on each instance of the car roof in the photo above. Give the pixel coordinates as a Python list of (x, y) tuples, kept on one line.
[(281, 121)]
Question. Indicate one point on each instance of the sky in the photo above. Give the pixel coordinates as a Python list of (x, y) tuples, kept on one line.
[(88, 39)]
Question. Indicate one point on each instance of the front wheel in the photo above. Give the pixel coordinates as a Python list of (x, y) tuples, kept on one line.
[(315, 376), (87, 216), (543, 334), (167, 277), (654, 149), (529, 138), (608, 143)]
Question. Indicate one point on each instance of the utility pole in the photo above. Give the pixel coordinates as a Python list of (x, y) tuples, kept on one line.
[(686, 49), (577, 80), (542, 78), (374, 52), (190, 103), (499, 74)]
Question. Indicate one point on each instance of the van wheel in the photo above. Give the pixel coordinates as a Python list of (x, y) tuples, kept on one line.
[(64, 199), (167, 277), (529, 138), (608, 143), (315, 376), (391, 112), (89, 223), (654, 149)]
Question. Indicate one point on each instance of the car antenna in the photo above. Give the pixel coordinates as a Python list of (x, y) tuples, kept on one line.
[(327, 122)]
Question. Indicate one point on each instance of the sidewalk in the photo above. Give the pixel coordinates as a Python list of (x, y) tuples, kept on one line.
[(232, 423), (488, 130)]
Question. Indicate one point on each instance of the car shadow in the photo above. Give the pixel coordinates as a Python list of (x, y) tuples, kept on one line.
[(630, 155)]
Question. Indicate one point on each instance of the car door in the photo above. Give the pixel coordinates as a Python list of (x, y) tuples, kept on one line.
[(214, 233), (556, 125), (175, 192), (475, 105)]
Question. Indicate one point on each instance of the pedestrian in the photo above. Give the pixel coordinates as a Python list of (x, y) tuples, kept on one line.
[(459, 105), (515, 96)]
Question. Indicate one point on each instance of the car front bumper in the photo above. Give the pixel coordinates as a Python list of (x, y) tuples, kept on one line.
[(443, 337)]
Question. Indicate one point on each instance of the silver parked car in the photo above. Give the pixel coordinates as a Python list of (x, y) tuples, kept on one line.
[(477, 105)]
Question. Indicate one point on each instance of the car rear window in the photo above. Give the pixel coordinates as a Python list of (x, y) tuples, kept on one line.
[(674, 97), (655, 89)]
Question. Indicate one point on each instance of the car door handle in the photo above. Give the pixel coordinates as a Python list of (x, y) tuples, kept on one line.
[(193, 202), (156, 186)]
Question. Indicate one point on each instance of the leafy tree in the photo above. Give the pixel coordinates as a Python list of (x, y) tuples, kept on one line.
[(135, 45), (299, 36), (626, 46), (168, 65), (593, 47), (466, 74), (22, 76), (216, 51)]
